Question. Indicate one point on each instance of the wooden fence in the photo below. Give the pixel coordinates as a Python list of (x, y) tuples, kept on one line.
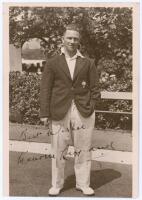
[(115, 96)]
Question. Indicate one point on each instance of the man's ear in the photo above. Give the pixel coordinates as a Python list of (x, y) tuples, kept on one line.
[(79, 46)]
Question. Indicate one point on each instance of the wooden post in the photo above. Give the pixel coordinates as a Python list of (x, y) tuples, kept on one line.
[(15, 59)]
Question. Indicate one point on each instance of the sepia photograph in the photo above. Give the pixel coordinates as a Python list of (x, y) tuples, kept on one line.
[(71, 100)]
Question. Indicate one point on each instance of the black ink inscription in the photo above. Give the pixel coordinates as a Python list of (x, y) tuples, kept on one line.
[(64, 154), (22, 159), (26, 136)]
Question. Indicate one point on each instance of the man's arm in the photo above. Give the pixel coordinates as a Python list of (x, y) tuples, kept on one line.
[(94, 84), (45, 91)]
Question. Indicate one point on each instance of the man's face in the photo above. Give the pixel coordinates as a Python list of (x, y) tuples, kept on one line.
[(71, 40)]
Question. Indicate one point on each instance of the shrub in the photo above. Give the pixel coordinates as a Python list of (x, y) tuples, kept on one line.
[(24, 96)]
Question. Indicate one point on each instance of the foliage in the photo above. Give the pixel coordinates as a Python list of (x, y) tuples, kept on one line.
[(24, 96), (24, 93), (116, 75), (105, 31)]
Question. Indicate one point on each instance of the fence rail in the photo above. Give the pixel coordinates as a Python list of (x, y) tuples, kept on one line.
[(117, 96)]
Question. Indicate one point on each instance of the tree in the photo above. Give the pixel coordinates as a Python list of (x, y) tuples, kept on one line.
[(105, 31), (106, 36)]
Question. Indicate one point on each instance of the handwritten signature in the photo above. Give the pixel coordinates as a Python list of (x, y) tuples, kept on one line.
[(25, 135), (64, 154), (23, 160)]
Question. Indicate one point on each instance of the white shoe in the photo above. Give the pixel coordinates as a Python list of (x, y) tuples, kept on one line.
[(54, 191), (86, 190)]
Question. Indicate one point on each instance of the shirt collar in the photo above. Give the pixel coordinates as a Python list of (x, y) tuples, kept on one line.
[(75, 56)]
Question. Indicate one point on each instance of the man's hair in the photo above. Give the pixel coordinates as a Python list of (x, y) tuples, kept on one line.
[(73, 27)]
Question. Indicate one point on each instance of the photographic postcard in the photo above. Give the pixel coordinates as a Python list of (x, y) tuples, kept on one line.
[(110, 36)]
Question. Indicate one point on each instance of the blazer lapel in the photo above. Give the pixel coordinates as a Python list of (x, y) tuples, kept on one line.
[(79, 65), (63, 65)]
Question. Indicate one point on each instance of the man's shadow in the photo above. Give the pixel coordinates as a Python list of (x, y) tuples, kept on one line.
[(98, 178)]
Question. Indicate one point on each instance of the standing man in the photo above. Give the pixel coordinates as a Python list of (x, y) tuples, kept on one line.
[(69, 91)]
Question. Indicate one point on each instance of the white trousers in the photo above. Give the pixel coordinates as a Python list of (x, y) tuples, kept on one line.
[(77, 131)]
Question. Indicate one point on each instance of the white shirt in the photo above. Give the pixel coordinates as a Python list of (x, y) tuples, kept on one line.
[(71, 61)]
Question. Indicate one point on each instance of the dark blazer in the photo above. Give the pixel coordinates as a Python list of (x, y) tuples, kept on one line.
[(58, 89)]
